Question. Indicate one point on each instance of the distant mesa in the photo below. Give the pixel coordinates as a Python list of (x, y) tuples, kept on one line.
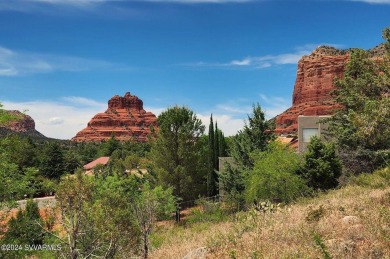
[(314, 84), (125, 118), (22, 125)]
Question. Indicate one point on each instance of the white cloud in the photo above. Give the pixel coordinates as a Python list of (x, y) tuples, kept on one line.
[(76, 100), (84, 5), (234, 109), (244, 62), (16, 63), (62, 119), (260, 62), (373, 1), (155, 110), (273, 105), (70, 2), (199, 1), (59, 119), (56, 121), (227, 123), (231, 116)]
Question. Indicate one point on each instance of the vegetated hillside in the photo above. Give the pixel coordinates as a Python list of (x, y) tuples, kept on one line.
[(352, 222), (22, 125)]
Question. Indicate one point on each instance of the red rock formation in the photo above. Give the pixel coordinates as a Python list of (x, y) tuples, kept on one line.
[(23, 124), (125, 118), (313, 86)]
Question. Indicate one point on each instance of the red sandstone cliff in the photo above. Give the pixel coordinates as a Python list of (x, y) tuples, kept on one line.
[(125, 118), (314, 83), (313, 86), (22, 124)]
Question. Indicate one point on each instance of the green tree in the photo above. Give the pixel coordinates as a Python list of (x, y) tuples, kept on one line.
[(322, 167), (72, 161), (254, 137), (212, 176), (179, 153), (361, 125), (24, 229), (216, 146), (19, 150), (12, 184), (85, 204), (273, 176), (222, 144), (232, 182), (52, 162), (108, 147), (150, 205)]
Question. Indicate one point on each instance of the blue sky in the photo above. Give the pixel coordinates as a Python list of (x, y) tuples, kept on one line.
[(63, 59)]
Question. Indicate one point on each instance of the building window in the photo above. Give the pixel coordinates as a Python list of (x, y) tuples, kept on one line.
[(308, 133)]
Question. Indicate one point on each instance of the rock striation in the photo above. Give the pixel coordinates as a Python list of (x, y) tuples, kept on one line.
[(23, 125), (314, 84), (125, 118)]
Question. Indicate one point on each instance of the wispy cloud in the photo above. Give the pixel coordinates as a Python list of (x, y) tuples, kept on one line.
[(373, 1), (260, 62), (198, 1), (90, 2), (231, 116), (271, 60), (71, 2), (16, 63), (229, 124), (273, 105), (86, 5), (64, 117), (60, 119)]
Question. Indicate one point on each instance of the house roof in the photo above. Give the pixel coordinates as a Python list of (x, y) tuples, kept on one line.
[(101, 160), (291, 142)]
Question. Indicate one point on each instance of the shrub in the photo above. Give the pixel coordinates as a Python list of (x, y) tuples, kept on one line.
[(322, 167), (273, 176), (378, 179)]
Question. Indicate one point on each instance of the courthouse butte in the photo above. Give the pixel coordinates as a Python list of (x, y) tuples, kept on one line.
[(314, 84), (125, 118)]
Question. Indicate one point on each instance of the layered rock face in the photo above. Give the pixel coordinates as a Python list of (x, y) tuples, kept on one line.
[(125, 118), (23, 124), (313, 86), (316, 75)]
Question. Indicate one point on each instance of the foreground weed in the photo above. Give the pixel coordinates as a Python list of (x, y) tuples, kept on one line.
[(318, 240)]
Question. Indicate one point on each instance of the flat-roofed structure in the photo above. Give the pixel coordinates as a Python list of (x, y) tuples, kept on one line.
[(309, 126)]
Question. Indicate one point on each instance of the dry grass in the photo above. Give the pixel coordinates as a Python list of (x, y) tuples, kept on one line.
[(289, 232)]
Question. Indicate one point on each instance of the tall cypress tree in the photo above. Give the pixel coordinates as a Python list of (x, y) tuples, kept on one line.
[(222, 144), (216, 147), (210, 178)]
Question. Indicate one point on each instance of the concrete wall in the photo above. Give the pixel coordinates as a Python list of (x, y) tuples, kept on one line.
[(310, 125)]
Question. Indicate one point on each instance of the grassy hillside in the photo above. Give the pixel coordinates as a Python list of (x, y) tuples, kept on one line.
[(351, 222)]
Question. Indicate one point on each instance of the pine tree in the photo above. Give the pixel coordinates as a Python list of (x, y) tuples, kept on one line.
[(322, 167), (361, 127), (254, 137), (52, 162), (179, 153)]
